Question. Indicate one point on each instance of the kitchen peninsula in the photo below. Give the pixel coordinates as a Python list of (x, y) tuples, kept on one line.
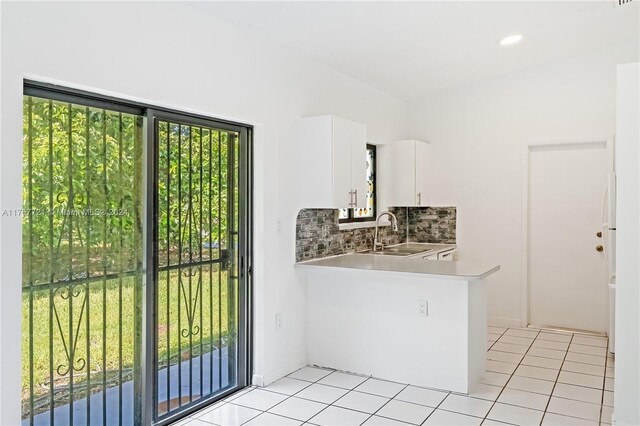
[(407, 319)]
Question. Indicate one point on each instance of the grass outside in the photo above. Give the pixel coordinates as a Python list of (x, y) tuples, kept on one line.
[(109, 344)]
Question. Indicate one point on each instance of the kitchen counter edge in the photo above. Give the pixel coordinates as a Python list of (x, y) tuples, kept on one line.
[(434, 268)]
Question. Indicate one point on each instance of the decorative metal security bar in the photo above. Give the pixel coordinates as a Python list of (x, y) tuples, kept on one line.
[(82, 254), (197, 261)]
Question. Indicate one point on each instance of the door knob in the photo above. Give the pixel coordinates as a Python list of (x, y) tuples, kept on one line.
[(599, 234), (599, 247)]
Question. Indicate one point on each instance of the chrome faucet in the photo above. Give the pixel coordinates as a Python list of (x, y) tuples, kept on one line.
[(394, 226)]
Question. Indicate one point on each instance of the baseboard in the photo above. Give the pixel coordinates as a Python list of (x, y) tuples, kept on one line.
[(504, 322), (257, 380), (266, 379)]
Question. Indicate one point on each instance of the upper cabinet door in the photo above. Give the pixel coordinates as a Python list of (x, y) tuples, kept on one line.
[(343, 196), (405, 173), (316, 162), (359, 164), (401, 173), (422, 167), (332, 163)]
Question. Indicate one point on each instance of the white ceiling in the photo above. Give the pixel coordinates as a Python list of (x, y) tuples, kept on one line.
[(410, 49)]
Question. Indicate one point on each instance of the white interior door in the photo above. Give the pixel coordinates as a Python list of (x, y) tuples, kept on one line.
[(567, 285)]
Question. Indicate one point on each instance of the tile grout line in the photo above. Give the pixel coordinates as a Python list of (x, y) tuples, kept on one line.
[(359, 391), (348, 390), (556, 381), (383, 405), (436, 408), (512, 374), (604, 384), (220, 403), (544, 357), (505, 330), (277, 393), (257, 409), (331, 404), (604, 378), (310, 400), (311, 384)]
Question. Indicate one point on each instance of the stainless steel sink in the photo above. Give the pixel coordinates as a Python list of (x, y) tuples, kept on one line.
[(402, 250)]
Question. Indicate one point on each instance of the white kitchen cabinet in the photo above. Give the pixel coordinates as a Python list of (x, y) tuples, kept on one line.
[(359, 164), (332, 163), (406, 165), (449, 255)]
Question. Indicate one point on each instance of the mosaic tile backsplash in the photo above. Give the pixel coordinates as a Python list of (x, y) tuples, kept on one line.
[(317, 233), (432, 225)]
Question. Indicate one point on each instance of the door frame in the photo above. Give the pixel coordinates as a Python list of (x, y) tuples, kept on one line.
[(527, 148), (65, 92)]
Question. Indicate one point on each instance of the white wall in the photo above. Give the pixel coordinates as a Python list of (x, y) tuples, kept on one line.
[(477, 133), (627, 385), (138, 50)]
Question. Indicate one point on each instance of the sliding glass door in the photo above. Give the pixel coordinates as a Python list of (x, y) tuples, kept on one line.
[(199, 305), (82, 257), (135, 260)]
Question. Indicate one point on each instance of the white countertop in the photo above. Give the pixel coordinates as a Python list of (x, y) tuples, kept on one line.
[(411, 265)]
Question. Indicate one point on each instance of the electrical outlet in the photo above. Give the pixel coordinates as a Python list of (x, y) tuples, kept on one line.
[(422, 308), (278, 321)]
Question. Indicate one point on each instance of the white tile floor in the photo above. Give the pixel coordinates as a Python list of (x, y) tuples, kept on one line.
[(534, 378)]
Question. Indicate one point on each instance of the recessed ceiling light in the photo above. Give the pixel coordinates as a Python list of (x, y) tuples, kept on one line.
[(512, 39)]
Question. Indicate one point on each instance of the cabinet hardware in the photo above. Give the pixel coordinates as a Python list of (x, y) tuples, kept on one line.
[(355, 202), (599, 247), (419, 198)]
